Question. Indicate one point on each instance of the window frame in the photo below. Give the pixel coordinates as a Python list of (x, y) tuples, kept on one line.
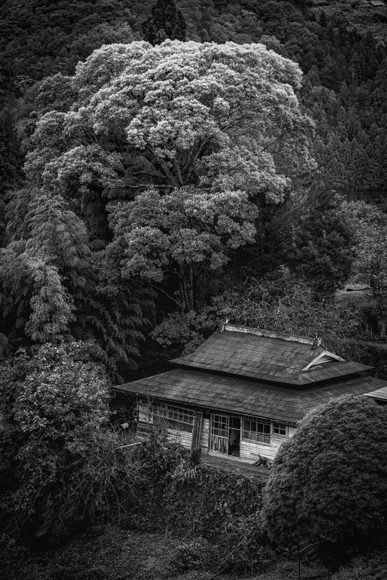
[(280, 427), (263, 431), (174, 417)]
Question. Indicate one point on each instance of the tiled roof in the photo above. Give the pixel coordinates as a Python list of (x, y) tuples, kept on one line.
[(248, 353), (231, 394)]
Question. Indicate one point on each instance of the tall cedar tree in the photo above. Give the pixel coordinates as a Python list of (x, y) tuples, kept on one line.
[(167, 21)]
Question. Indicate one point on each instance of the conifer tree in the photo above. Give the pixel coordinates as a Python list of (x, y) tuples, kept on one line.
[(10, 164), (322, 251), (167, 21)]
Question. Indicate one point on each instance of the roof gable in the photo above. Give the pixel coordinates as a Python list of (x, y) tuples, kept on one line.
[(323, 358), (266, 356)]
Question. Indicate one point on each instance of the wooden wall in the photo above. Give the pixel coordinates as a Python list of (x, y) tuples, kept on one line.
[(250, 450), (145, 424)]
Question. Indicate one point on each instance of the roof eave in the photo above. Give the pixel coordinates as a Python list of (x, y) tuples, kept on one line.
[(302, 380)]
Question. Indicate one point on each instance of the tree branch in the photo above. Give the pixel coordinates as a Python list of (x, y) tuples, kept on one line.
[(167, 173), (137, 185), (196, 155), (276, 140), (168, 295)]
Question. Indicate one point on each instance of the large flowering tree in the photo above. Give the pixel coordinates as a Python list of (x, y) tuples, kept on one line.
[(165, 156)]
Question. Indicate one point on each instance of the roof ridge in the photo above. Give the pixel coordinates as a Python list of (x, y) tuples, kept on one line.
[(267, 334)]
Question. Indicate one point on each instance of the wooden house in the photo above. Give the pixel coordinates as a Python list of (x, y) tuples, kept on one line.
[(242, 392)]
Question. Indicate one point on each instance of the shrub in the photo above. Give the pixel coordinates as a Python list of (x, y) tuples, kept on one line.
[(329, 482), (62, 467)]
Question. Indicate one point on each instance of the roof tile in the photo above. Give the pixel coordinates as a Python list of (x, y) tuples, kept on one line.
[(245, 397), (279, 360)]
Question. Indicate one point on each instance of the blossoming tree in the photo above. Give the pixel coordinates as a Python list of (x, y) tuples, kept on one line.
[(167, 155)]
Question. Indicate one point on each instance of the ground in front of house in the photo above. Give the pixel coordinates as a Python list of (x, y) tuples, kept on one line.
[(110, 553)]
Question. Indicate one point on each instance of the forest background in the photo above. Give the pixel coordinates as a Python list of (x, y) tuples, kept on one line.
[(119, 250), (306, 243)]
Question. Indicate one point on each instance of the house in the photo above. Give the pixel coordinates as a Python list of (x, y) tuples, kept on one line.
[(377, 3), (242, 392)]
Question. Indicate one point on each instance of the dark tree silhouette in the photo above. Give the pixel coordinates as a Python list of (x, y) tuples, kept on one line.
[(167, 21)]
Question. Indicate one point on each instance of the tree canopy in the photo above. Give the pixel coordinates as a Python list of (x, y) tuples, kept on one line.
[(148, 167), (181, 144)]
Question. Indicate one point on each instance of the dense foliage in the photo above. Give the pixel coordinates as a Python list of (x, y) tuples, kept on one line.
[(41, 38), (131, 206), (147, 169), (166, 21), (165, 166), (370, 265), (60, 465), (323, 247), (216, 511), (345, 66), (328, 482)]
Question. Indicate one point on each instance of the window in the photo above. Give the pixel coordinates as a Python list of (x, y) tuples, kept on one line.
[(280, 429), (145, 414), (219, 426), (219, 433), (257, 430), (260, 430), (173, 417)]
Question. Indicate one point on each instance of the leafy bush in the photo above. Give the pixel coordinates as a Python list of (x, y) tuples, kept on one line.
[(329, 482), (62, 467)]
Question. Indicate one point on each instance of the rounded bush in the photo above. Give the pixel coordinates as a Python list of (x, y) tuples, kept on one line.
[(329, 482)]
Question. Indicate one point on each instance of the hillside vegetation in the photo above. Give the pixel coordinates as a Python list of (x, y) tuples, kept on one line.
[(164, 168)]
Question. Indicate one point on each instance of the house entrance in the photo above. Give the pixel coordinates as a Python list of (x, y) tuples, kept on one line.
[(225, 435)]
